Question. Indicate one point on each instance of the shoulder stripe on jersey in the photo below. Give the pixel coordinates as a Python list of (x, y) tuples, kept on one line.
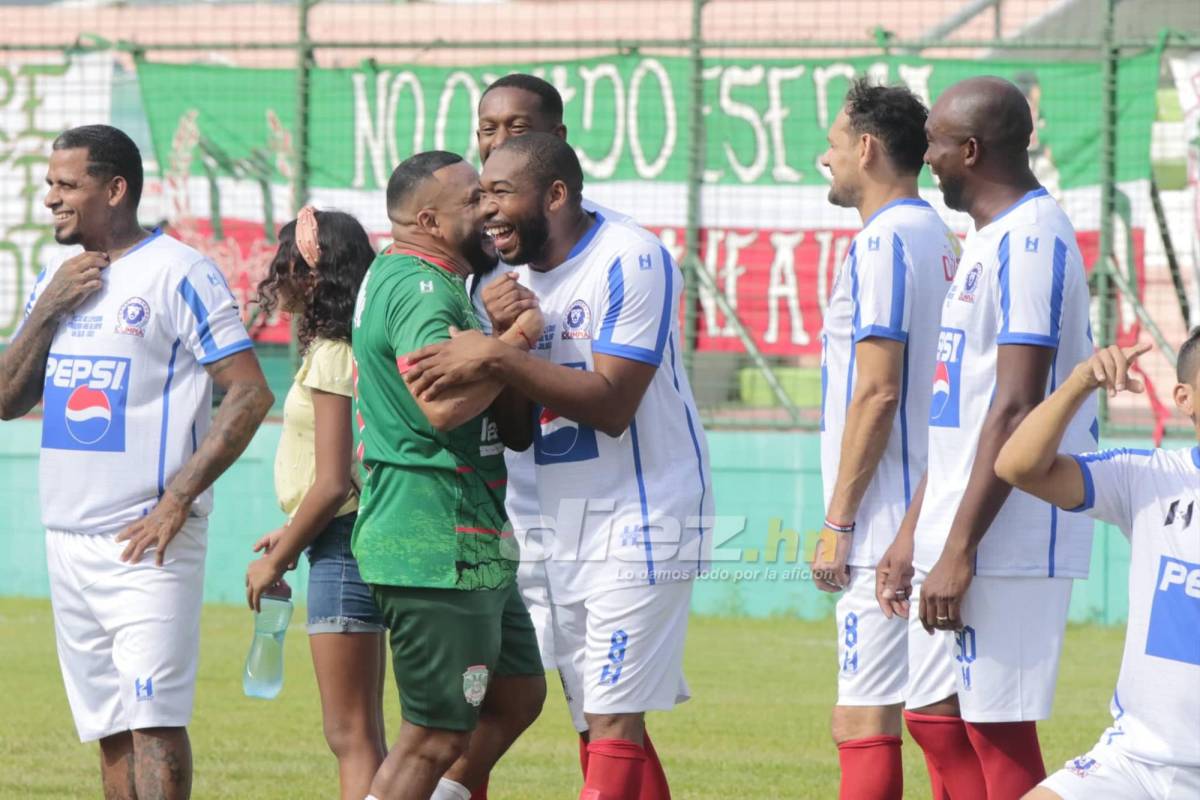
[(904, 431), (1056, 290), (903, 201), (855, 321), (1196, 456), (188, 292), (1089, 487), (641, 482), (1006, 336), (616, 294), (583, 243), (166, 411), (1030, 195), (616, 299), (898, 272), (696, 447)]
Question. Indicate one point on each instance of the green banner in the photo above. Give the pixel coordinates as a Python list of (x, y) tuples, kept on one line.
[(629, 116)]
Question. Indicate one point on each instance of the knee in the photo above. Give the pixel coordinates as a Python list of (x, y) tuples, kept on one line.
[(440, 749), (860, 722), (533, 703), (630, 727), (345, 736)]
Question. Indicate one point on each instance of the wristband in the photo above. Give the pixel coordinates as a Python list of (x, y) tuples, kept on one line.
[(833, 526)]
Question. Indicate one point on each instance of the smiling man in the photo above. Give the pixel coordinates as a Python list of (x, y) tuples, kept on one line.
[(993, 566), (620, 457), (122, 344)]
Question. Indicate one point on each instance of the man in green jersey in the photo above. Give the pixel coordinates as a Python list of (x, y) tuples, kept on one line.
[(431, 538)]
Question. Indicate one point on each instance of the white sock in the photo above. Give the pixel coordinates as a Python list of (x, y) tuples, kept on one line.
[(370, 797), (450, 790)]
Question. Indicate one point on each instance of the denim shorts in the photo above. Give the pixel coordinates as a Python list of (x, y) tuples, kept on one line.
[(338, 600)]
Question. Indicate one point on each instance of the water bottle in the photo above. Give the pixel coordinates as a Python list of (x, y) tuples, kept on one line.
[(264, 664)]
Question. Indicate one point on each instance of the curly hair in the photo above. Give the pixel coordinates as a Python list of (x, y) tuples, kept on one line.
[(895, 116), (327, 298)]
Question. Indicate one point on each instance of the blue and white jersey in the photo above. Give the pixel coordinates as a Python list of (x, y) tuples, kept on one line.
[(1020, 282), (127, 399), (521, 502), (890, 286), (638, 508), (1153, 496)]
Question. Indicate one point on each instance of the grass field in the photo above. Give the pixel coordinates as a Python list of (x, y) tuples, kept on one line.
[(756, 727)]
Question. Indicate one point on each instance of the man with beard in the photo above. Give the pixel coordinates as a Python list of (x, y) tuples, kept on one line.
[(877, 347), (122, 344), (431, 537), (993, 566), (617, 427), (515, 105)]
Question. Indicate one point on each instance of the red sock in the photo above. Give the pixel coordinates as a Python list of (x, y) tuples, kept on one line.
[(583, 756), (614, 770), (949, 755), (871, 769), (654, 779), (1010, 756), (481, 792)]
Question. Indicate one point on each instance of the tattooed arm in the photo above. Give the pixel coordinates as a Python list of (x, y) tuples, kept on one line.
[(247, 400), (23, 363)]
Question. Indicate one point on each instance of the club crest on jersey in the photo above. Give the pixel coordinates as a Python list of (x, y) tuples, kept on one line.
[(84, 403), (971, 284), (133, 317), (947, 384), (475, 681), (577, 322), (1083, 766)]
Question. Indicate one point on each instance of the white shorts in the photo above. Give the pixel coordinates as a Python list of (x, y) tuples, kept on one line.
[(1003, 664), (872, 649), (930, 668), (1107, 773), (534, 585), (128, 634), (621, 651)]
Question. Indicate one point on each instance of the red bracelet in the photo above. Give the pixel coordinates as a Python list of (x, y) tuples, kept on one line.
[(833, 526), (521, 331)]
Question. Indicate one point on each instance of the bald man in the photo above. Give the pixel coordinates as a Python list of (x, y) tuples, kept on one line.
[(431, 539), (993, 566)]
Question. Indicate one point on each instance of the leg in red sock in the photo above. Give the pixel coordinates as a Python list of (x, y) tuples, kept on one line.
[(1010, 756), (654, 779), (949, 754), (871, 769), (583, 754), (614, 770), (481, 792)]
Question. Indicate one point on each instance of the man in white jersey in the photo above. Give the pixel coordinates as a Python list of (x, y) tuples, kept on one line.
[(1152, 749), (122, 345), (877, 349), (1013, 326), (621, 459)]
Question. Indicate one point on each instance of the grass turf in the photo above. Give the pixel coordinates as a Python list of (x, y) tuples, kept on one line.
[(756, 728)]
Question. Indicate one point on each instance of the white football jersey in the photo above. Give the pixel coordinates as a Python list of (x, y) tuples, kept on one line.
[(1153, 496), (1020, 281), (890, 286), (521, 502), (636, 509), (127, 399)]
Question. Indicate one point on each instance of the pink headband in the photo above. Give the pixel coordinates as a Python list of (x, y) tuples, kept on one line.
[(306, 236)]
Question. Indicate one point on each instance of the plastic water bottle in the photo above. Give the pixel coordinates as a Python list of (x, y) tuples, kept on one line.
[(264, 664)]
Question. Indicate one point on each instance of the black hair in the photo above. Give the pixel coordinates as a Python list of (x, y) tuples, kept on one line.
[(111, 154), (548, 158), (1188, 364), (346, 253), (413, 172), (551, 100), (893, 115)]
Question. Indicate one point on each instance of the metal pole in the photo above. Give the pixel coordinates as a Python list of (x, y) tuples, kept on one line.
[(696, 153), (304, 65), (1108, 177), (1164, 231)]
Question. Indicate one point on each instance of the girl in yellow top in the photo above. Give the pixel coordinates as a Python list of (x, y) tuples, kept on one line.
[(321, 261)]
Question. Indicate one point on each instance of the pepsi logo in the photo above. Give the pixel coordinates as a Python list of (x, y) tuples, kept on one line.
[(559, 434), (941, 390), (88, 414)]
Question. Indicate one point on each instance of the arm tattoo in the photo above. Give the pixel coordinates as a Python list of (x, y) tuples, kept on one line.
[(23, 366)]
